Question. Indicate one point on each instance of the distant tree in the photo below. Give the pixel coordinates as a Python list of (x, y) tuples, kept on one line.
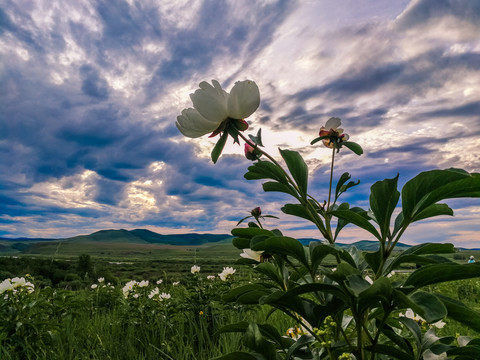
[(85, 267)]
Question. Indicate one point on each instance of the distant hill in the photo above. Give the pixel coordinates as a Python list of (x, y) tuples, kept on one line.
[(143, 237)]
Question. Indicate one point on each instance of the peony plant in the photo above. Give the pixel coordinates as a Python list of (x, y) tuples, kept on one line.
[(355, 309)]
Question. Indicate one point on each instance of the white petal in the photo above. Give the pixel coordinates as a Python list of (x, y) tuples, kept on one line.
[(345, 137), (333, 123), (193, 125), (244, 99), (211, 102)]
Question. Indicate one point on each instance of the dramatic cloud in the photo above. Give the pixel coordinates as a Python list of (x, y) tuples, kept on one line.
[(91, 91)]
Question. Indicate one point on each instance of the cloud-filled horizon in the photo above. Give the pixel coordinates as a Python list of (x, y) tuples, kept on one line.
[(90, 92)]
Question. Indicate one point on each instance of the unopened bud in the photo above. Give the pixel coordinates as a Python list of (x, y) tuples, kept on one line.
[(252, 152), (256, 212)]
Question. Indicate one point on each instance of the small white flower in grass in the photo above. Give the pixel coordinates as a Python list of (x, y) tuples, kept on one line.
[(153, 293), (136, 296), (128, 287), (101, 279), (143, 283), (175, 283), (94, 286), (195, 269), (164, 296), (5, 285), (226, 273), (159, 281), (211, 277)]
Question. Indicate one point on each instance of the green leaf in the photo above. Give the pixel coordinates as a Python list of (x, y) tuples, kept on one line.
[(412, 255), (414, 328), (433, 210), (237, 327), (357, 149), (318, 252), (314, 141), (461, 313), (438, 273), (383, 200), (276, 186), (271, 271), (257, 139), (296, 210), (428, 306), (283, 245), (379, 292), (241, 243), (297, 167), (374, 259), (265, 170), (301, 342), (358, 220), (429, 187), (343, 179), (240, 355), (249, 293), (250, 232), (391, 351), (217, 150)]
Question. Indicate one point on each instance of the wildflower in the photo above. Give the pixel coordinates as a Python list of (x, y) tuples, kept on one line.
[(159, 281), (5, 285), (200, 313), (136, 295), (421, 321), (226, 273), (164, 296), (252, 255), (128, 287), (214, 108), (94, 286), (195, 269), (143, 283), (211, 277), (175, 283), (334, 134), (153, 293), (101, 279)]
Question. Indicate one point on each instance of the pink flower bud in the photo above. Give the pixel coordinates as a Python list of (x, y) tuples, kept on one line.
[(252, 152), (256, 212)]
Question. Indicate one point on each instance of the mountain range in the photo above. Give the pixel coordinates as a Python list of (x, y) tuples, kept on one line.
[(143, 236)]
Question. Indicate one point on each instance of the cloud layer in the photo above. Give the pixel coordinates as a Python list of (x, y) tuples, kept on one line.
[(90, 94)]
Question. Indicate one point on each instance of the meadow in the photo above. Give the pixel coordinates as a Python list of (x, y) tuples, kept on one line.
[(151, 303)]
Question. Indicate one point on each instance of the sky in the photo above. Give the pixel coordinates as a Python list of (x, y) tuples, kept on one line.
[(90, 91)]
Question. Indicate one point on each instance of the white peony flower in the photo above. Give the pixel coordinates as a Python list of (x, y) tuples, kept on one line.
[(159, 281), (175, 283), (251, 254), (195, 269), (211, 277), (164, 296), (101, 279), (153, 293), (226, 273), (213, 106), (5, 285), (143, 283), (333, 130)]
